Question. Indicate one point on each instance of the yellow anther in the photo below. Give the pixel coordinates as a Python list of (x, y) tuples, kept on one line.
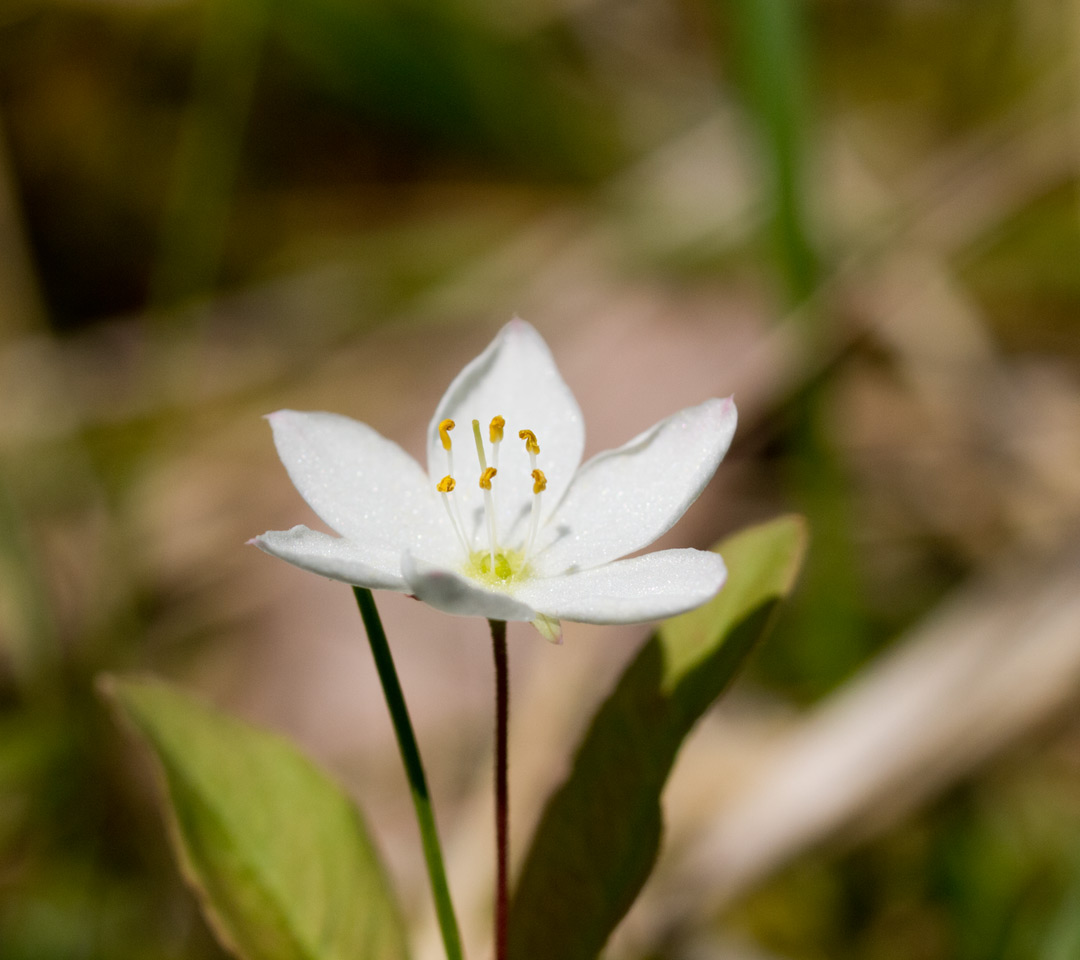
[(485, 478), (495, 431), (446, 484), (530, 441), (445, 427), (539, 481)]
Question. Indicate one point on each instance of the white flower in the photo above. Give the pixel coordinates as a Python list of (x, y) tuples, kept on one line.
[(507, 527)]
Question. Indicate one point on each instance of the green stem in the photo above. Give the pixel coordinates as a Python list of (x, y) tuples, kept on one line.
[(414, 770)]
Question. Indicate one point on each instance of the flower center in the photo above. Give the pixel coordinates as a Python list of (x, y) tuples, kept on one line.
[(488, 562), (509, 564)]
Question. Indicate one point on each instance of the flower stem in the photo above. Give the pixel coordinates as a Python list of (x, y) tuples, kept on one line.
[(502, 793), (414, 770)]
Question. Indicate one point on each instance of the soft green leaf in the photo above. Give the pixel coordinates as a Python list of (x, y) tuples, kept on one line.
[(600, 833), (279, 856)]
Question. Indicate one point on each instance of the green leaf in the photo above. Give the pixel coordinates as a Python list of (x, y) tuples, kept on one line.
[(600, 833), (276, 852)]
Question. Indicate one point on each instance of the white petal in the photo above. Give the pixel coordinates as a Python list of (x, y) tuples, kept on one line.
[(335, 557), (622, 500), (450, 592), (652, 587), (362, 485), (515, 378)]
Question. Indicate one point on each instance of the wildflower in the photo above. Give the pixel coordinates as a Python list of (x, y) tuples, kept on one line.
[(504, 523)]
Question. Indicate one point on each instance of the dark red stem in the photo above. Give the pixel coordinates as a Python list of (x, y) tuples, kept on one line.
[(502, 792)]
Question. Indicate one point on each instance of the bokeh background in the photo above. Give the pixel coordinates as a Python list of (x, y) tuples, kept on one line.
[(860, 217)]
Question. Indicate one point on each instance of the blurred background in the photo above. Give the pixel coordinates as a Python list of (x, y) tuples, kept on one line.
[(860, 217)]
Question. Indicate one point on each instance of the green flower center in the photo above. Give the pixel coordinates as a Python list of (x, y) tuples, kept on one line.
[(509, 565)]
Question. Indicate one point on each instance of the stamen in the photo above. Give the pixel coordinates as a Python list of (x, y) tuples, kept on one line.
[(479, 444), (486, 473), (530, 441), (446, 486), (539, 486), (531, 446), (445, 426), (495, 434)]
